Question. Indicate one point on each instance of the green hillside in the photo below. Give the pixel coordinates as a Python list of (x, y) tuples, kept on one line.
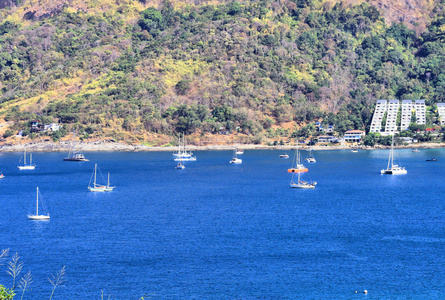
[(264, 69)]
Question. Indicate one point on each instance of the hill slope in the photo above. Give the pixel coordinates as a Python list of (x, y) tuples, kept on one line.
[(122, 70)]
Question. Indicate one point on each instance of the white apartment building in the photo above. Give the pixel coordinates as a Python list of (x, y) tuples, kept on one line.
[(354, 136), (392, 108), (380, 109), (419, 106), (441, 109), (391, 117), (407, 107)]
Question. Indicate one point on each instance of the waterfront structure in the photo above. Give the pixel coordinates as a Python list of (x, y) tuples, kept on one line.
[(352, 136), (326, 139), (441, 111), (380, 109), (407, 107)]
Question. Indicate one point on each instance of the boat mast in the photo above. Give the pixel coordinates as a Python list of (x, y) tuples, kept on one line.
[(108, 182), (95, 167), (37, 203), (30, 158), (24, 156), (74, 142)]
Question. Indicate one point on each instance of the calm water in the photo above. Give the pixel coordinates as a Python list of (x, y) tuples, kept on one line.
[(216, 230)]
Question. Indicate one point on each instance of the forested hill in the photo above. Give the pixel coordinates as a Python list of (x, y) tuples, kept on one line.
[(137, 71)]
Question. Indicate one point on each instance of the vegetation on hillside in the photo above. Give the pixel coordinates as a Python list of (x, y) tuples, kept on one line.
[(240, 66)]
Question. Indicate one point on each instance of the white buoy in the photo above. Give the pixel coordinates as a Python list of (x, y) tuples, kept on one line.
[(365, 292)]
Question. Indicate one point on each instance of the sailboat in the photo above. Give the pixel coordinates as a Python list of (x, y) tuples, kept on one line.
[(393, 169), (73, 155), (37, 216), (311, 158), (99, 187), (26, 166), (300, 184), (239, 151), (1, 175), (182, 154), (235, 159), (297, 167)]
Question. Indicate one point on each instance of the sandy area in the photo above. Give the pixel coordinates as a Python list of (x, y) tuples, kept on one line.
[(109, 146)]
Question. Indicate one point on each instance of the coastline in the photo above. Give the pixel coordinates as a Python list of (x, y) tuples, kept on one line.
[(95, 146)]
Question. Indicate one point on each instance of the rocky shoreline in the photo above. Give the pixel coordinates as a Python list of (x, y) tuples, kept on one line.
[(111, 146)]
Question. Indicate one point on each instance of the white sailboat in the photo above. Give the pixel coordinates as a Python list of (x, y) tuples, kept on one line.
[(298, 168), (235, 159), (26, 166), (285, 156), (311, 158), (239, 151), (182, 154), (300, 184), (393, 169), (37, 216), (99, 187), (1, 175), (73, 155)]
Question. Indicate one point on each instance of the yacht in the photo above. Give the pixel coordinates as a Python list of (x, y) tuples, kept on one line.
[(393, 169)]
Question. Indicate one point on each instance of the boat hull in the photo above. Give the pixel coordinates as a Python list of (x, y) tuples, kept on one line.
[(236, 161), (38, 217), (185, 159), (306, 186), (75, 159), (293, 170), (32, 167), (394, 172)]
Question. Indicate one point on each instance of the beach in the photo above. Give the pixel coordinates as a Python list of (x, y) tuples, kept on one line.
[(91, 146)]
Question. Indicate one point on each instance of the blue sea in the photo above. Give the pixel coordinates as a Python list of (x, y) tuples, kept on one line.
[(220, 231)]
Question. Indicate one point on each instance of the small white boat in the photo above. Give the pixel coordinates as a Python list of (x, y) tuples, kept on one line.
[(2, 176), (415, 150), (26, 166), (354, 150), (38, 217), (100, 187), (73, 155), (239, 151), (311, 158), (235, 159), (284, 156), (180, 165), (393, 169)]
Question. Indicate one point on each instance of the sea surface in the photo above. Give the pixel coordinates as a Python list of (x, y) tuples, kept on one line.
[(220, 231)]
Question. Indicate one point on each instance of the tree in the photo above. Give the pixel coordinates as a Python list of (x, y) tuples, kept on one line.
[(370, 139)]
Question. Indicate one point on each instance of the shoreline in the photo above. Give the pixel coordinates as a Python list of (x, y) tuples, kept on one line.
[(97, 146)]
